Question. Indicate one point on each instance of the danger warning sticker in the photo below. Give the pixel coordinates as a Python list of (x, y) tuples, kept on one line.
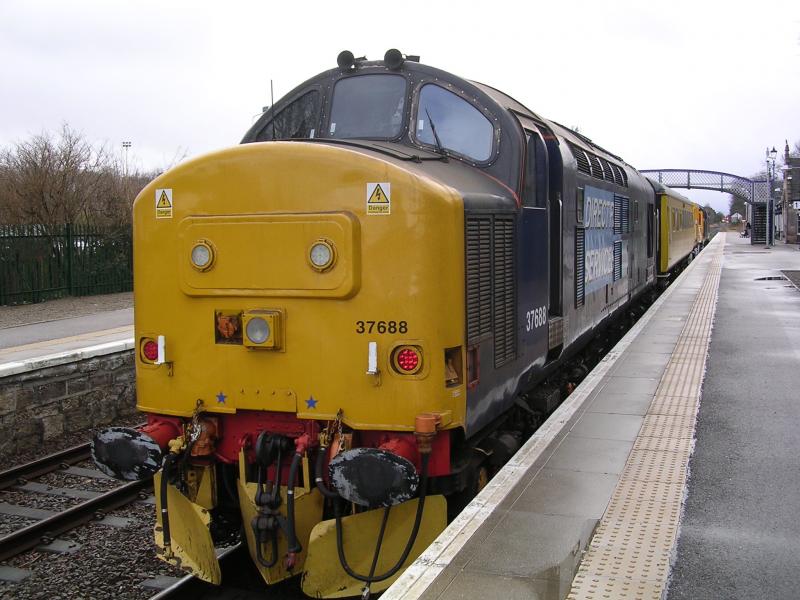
[(164, 203), (379, 198)]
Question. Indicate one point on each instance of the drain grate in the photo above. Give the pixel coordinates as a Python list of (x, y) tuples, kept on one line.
[(771, 278)]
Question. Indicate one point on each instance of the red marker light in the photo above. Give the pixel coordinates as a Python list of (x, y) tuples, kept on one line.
[(407, 359), (150, 350)]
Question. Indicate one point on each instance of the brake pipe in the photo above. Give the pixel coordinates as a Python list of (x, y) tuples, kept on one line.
[(293, 545)]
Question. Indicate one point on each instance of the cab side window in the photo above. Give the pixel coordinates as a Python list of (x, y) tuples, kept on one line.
[(535, 191), (298, 120)]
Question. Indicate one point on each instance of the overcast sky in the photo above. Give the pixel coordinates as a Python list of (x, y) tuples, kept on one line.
[(674, 84)]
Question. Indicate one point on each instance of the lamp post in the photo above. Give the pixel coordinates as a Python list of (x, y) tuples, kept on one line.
[(771, 156), (125, 147)]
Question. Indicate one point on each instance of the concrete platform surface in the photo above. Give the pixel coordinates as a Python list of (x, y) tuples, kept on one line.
[(598, 490)]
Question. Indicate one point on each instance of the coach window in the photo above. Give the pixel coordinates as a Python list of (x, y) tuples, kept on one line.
[(368, 106), (298, 120), (459, 126)]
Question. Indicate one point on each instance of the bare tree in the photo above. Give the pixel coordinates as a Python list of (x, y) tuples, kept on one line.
[(52, 180)]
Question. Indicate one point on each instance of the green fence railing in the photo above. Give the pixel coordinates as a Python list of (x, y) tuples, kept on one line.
[(38, 263)]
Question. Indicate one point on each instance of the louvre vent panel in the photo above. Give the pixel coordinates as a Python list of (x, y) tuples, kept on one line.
[(617, 261), (505, 343), (617, 215), (618, 175), (626, 215), (580, 265), (608, 174), (580, 157), (598, 167), (479, 276)]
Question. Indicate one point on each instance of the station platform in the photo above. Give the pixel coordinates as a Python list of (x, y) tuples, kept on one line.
[(37, 345), (670, 472)]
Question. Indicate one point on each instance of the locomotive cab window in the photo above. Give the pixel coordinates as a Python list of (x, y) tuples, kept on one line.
[(460, 126), (368, 106), (298, 120)]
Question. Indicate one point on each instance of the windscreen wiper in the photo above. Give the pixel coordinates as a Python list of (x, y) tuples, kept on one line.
[(439, 148)]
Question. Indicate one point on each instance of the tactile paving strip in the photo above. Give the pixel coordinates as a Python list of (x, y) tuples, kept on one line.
[(629, 554)]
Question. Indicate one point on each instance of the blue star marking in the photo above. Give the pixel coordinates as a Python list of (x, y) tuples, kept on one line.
[(311, 403), (221, 398)]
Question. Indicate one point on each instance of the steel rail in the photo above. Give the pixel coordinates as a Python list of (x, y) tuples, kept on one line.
[(44, 465), (190, 587), (31, 536)]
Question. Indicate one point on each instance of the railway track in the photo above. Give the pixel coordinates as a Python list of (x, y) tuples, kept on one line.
[(93, 507)]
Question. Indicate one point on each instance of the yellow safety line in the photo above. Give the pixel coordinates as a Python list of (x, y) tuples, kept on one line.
[(75, 338), (630, 552)]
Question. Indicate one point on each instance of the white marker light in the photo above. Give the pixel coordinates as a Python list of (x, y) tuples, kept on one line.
[(162, 350), (322, 255), (372, 358), (202, 256)]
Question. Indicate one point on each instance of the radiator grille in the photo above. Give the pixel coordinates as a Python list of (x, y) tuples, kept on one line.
[(479, 276), (491, 285), (505, 342), (580, 264), (617, 261)]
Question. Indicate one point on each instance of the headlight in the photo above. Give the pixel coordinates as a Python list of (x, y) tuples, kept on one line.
[(322, 255), (257, 330), (202, 255)]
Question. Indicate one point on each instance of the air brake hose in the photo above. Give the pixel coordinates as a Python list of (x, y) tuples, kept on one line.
[(318, 475), (166, 471), (294, 546), (409, 544)]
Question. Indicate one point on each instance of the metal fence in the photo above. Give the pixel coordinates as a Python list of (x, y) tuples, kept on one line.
[(38, 263)]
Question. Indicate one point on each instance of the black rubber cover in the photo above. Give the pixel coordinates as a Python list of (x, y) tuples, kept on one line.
[(373, 478), (124, 453)]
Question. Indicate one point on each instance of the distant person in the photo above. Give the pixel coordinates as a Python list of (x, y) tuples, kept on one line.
[(747, 229)]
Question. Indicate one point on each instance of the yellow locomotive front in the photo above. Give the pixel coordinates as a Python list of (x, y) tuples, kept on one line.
[(295, 301)]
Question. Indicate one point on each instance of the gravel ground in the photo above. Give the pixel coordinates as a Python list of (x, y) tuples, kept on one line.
[(76, 482), (27, 314), (43, 501), (111, 563), (10, 523)]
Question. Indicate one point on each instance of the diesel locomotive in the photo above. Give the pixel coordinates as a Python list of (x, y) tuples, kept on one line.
[(342, 323)]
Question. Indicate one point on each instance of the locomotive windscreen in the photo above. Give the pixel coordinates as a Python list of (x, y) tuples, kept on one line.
[(368, 106)]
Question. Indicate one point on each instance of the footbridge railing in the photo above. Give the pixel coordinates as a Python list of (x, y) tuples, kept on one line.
[(754, 191)]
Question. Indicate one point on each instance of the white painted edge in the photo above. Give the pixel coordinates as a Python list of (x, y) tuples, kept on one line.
[(416, 579), (62, 358)]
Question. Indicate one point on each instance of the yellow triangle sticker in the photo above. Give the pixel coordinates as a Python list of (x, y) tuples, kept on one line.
[(164, 203), (378, 197)]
